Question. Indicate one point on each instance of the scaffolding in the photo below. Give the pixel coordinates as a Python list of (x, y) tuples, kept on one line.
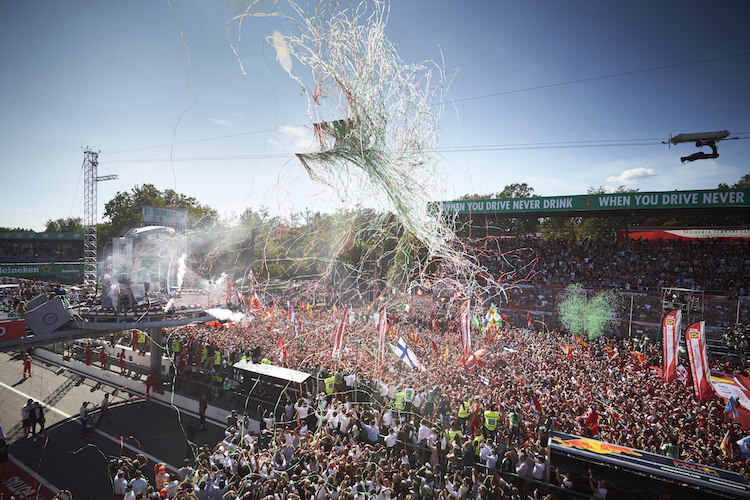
[(90, 164)]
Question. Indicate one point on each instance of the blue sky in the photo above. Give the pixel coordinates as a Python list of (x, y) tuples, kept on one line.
[(119, 77)]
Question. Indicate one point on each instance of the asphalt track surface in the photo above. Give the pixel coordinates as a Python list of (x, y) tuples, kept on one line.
[(62, 459)]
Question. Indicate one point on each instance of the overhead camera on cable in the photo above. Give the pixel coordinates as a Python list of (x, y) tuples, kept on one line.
[(701, 139)]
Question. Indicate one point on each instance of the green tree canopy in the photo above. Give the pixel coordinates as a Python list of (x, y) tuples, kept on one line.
[(66, 225)]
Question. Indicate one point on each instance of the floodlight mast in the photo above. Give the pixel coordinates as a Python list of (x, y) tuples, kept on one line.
[(701, 139)]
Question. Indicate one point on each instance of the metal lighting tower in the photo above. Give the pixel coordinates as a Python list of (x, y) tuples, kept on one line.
[(90, 162)]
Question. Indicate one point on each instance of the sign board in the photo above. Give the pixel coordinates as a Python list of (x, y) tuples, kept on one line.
[(42, 269), (164, 216), (12, 329), (42, 236), (712, 198)]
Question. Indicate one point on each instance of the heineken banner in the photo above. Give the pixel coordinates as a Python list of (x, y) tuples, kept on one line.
[(713, 198), (695, 339), (73, 269), (670, 333)]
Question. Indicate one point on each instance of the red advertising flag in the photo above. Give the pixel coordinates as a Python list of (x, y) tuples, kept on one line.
[(466, 330), (338, 334), (12, 329), (670, 327), (695, 340)]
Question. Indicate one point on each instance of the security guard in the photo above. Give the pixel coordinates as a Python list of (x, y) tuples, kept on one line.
[(463, 414), (491, 417), (330, 383), (399, 403)]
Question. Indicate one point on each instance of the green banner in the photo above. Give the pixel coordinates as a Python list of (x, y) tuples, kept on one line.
[(42, 236), (713, 198), (38, 270)]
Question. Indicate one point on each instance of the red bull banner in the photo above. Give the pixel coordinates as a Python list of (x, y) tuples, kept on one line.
[(695, 341), (628, 464), (670, 329)]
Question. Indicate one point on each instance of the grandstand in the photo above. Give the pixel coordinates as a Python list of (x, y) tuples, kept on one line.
[(42, 256)]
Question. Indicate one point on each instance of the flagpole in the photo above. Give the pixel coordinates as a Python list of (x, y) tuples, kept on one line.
[(630, 323)]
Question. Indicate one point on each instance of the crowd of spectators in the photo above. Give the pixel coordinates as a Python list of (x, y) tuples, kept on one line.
[(413, 438), (629, 264)]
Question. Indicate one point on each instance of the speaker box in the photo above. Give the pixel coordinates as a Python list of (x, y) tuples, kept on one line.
[(36, 301), (48, 317)]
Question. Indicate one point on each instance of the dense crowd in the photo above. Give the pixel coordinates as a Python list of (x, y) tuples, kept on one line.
[(421, 429), (425, 434), (630, 264)]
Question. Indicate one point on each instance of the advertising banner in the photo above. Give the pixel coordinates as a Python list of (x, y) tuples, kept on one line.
[(712, 198), (695, 340), (670, 328), (12, 329)]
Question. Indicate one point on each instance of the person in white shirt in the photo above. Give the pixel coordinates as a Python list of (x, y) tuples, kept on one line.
[(538, 470), (522, 467), (129, 495), (120, 484), (390, 441)]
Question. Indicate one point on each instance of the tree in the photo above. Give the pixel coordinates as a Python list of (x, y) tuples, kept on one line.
[(124, 210), (581, 228), (67, 225), (516, 190), (744, 182)]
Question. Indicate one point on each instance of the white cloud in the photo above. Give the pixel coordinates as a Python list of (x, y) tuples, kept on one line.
[(296, 139), (633, 175), (220, 121)]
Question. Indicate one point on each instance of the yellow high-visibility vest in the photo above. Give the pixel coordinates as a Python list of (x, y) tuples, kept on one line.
[(490, 420), (463, 410), (141, 337), (330, 382), (399, 402), (176, 345), (217, 358)]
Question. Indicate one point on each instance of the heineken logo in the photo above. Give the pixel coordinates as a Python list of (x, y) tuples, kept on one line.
[(2, 331), (670, 321), (18, 270)]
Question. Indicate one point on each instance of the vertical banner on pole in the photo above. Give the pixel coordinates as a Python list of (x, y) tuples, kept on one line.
[(670, 328), (695, 339)]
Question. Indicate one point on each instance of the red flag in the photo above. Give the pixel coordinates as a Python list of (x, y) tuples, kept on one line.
[(338, 334), (568, 349), (281, 346), (670, 327), (536, 402), (382, 329), (434, 348), (592, 421), (505, 320), (528, 319), (466, 330)]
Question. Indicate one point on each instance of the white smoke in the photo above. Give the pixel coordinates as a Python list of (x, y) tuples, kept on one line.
[(169, 304), (225, 314), (181, 270)]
